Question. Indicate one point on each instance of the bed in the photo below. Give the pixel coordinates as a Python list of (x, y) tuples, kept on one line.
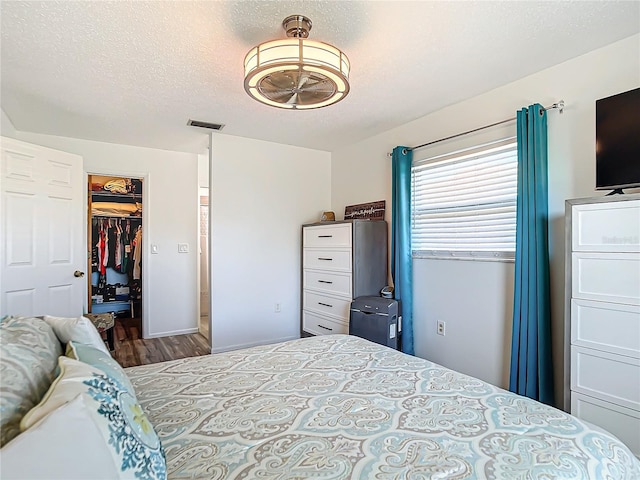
[(326, 407), (340, 407)]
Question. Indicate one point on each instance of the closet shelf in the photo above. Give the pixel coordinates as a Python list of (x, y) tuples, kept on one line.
[(109, 302), (116, 195)]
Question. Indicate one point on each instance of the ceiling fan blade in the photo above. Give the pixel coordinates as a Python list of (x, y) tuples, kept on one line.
[(306, 98), (277, 95), (282, 80), (319, 88), (293, 100), (302, 80)]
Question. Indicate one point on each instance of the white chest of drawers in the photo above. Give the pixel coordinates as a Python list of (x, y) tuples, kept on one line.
[(340, 261), (603, 314)]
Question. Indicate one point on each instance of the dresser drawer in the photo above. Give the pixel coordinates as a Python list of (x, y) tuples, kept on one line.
[(612, 378), (607, 226), (338, 235), (327, 259), (319, 325), (608, 277), (610, 327), (335, 307), (329, 282), (624, 423)]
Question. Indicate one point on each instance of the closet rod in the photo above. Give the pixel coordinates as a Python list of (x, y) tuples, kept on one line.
[(559, 105)]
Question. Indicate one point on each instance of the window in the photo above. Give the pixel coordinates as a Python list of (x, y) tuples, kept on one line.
[(464, 203)]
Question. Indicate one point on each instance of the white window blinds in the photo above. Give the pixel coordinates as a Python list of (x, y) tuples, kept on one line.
[(464, 203)]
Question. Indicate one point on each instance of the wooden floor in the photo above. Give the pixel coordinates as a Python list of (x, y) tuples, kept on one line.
[(132, 350)]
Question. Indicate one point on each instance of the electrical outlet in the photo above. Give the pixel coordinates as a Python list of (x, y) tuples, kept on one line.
[(440, 327), (183, 248), (276, 308)]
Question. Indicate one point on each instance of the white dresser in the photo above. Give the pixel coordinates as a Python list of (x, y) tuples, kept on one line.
[(603, 314), (340, 261)]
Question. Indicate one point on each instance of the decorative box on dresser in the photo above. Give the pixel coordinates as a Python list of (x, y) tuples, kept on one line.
[(602, 314), (341, 260)]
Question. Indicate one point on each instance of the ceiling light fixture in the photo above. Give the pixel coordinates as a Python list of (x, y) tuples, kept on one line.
[(296, 73)]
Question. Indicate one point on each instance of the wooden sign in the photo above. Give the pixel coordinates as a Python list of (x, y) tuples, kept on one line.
[(372, 211)]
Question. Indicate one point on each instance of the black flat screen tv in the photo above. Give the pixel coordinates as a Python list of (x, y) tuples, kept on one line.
[(618, 141)]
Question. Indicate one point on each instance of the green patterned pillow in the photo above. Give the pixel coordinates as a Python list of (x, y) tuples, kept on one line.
[(97, 357), (29, 351), (133, 443)]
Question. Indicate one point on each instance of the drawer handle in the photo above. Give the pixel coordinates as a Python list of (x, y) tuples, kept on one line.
[(324, 281), (325, 258), (326, 328), (325, 236), (325, 304)]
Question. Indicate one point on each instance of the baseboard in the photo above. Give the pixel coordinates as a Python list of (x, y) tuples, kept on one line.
[(253, 344), (186, 331)]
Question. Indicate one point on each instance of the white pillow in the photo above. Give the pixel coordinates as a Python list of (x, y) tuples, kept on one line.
[(133, 443), (65, 445), (78, 329)]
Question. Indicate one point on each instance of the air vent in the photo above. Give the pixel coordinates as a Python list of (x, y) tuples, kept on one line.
[(210, 126)]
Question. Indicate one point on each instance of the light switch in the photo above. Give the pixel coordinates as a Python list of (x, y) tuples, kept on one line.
[(183, 248), (154, 248)]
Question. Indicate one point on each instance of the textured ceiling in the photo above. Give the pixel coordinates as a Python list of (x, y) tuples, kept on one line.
[(136, 72)]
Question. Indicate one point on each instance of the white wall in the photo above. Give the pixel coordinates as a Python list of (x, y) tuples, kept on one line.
[(361, 172), (203, 170), (6, 125), (170, 212), (261, 194)]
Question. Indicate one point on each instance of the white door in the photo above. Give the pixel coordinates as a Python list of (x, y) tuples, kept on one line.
[(42, 253)]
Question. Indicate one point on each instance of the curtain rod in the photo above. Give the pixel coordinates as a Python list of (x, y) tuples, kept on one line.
[(559, 105)]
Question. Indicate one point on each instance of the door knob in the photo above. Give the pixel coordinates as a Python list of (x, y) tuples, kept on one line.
[(78, 274)]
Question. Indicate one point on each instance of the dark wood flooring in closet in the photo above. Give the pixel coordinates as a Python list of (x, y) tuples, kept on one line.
[(132, 350)]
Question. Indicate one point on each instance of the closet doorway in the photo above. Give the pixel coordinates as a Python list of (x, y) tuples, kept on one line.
[(115, 214)]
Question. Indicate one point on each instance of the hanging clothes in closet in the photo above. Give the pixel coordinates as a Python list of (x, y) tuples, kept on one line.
[(116, 247), (126, 241), (137, 253)]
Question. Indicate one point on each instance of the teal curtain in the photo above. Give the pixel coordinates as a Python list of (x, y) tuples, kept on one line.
[(531, 371), (401, 262)]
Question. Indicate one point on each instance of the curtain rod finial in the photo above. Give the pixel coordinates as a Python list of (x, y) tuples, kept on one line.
[(561, 106)]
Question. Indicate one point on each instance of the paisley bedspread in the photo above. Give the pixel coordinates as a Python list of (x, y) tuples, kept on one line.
[(340, 407)]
